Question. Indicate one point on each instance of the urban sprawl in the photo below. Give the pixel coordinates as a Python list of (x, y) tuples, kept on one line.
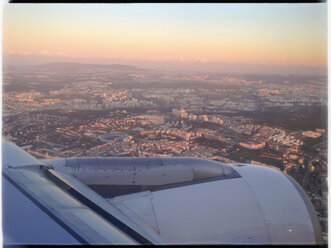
[(74, 110)]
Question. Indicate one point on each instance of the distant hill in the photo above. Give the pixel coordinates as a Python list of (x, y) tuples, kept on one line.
[(70, 66)]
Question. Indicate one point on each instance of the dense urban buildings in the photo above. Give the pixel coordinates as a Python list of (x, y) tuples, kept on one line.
[(75, 110)]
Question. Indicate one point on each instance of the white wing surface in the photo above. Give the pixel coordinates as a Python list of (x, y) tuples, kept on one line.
[(150, 201)]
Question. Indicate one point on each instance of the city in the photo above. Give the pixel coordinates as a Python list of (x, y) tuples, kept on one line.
[(61, 110)]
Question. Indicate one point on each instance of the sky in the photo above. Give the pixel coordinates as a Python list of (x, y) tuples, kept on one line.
[(239, 37)]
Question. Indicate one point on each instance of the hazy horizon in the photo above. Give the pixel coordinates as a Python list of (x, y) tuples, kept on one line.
[(236, 68), (224, 38)]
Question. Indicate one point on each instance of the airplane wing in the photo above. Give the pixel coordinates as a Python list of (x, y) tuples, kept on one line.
[(150, 201)]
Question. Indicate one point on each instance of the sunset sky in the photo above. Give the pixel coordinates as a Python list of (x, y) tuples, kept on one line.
[(280, 35)]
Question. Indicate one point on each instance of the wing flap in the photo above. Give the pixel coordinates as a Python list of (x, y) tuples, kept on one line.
[(109, 212), (73, 214)]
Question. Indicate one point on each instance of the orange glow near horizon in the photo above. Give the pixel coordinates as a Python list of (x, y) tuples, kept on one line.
[(62, 33)]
